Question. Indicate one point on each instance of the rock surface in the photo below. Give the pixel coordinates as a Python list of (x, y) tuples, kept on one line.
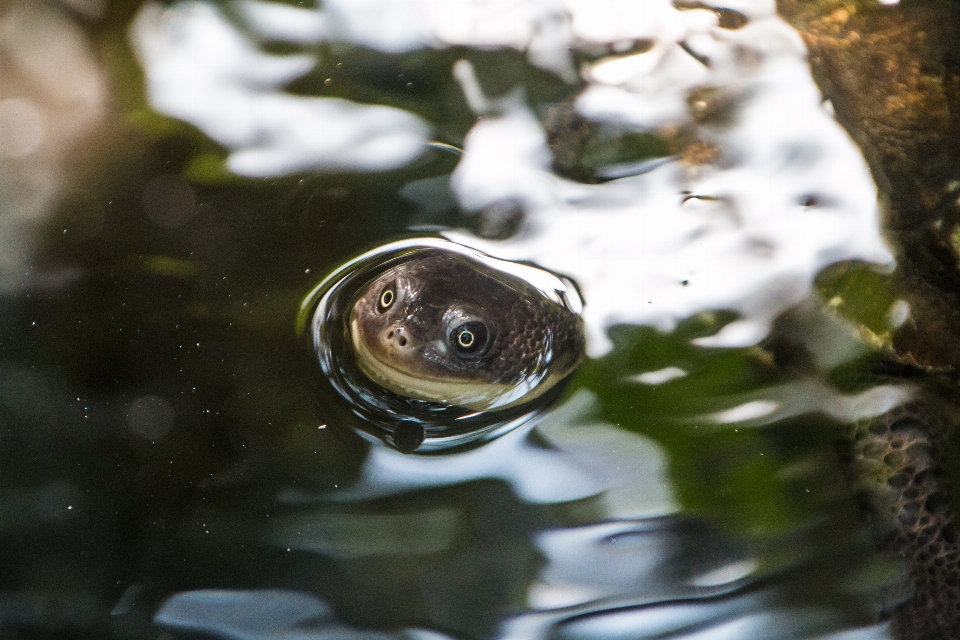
[(892, 75)]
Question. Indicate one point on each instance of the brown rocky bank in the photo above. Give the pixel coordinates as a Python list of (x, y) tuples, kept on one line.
[(892, 75)]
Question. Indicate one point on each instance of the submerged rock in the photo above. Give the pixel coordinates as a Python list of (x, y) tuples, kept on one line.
[(898, 465), (892, 76)]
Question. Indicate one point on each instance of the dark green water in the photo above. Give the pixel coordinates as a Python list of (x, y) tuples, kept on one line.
[(165, 431), (233, 484)]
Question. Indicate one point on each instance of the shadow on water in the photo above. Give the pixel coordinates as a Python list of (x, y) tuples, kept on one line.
[(176, 465)]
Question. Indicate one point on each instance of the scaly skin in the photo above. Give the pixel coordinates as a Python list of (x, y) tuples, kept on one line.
[(896, 465)]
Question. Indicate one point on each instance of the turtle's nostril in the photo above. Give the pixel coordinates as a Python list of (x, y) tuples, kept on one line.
[(397, 337)]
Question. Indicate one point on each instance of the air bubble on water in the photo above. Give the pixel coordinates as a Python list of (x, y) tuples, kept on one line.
[(898, 314), (150, 417)]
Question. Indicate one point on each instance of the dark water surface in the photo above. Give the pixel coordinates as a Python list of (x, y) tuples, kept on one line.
[(174, 465)]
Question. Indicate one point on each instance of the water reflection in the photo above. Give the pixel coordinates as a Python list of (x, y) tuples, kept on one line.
[(270, 615), (261, 615), (673, 159), (204, 71), (706, 188)]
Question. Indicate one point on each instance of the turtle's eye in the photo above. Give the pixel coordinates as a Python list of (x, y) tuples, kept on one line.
[(469, 339), (387, 297)]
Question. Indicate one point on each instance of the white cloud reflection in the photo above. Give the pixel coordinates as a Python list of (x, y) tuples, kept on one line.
[(201, 69), (787, 193)]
